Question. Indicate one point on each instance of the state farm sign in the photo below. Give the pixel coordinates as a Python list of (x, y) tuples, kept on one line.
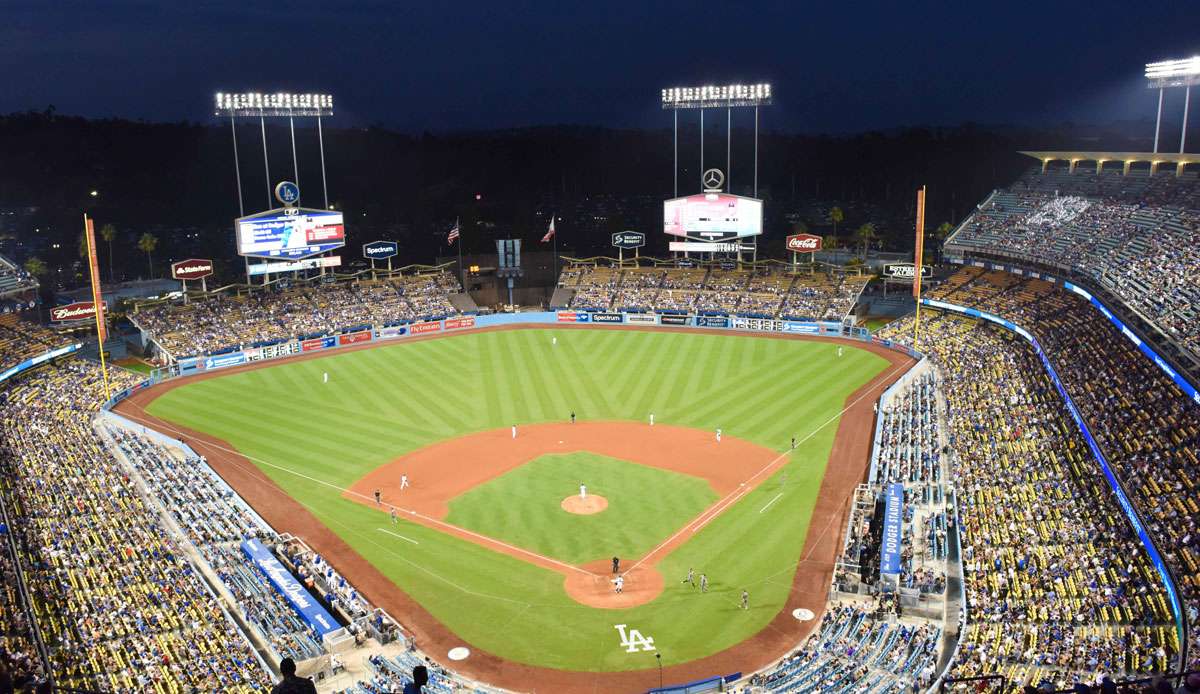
[(191, 269), (803, 243), (80, 310)]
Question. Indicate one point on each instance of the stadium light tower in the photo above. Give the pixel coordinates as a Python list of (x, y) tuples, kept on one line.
[(729, 97), (1165, 74), (279, 104)]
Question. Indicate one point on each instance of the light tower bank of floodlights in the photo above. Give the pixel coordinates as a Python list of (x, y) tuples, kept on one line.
[(1173, 73), (714, 221), (290, 235)]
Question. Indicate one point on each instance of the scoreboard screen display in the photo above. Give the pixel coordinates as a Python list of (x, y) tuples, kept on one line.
[(298, 234), (713, 216)]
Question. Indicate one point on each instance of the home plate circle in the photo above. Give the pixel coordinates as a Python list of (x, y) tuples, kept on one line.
[(802, 614), (459, 653)]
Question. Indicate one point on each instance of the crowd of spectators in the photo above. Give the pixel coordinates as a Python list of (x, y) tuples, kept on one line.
[(762, 293), (861, 646), (1057, 588), (267, 314), (119, 605), (1147, 428), (1135, 235)]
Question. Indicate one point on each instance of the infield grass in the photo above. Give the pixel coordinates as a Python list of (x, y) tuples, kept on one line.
[(381, 403)]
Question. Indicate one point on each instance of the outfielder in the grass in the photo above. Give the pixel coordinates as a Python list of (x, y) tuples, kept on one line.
[(572, 416), (619, 584), (616, 564), (703, 583), (745, 600), (326, 379), (691, 578), (839, 350), (403, 481)]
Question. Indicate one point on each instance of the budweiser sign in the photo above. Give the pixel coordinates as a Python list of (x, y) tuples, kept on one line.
[(191, 269), (803, 243), (80, 310)]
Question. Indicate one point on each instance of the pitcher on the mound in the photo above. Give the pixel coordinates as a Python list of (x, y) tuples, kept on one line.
[(582, 492)]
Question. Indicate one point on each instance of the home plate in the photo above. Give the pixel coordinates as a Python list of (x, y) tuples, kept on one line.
[(802, 614), (459, 653)]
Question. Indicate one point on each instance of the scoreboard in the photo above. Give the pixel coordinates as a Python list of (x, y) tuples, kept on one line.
[(713, 217), (290, 233)]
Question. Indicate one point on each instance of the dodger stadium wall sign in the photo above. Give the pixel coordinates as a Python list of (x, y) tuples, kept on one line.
[(803, 243)]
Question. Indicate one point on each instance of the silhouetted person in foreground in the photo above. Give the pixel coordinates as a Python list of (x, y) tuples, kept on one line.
[(420, 679), (292, 684)]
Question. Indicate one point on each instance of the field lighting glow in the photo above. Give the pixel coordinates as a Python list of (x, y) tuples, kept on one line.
[(277, 104), (1174, 73), (717, 96)]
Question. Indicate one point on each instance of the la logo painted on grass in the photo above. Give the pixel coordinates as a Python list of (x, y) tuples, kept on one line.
[(633, 639)]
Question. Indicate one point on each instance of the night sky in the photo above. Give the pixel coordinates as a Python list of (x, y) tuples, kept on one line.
[(836, 66)]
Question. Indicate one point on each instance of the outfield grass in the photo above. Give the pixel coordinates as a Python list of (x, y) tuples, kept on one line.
[(522, 507), (384, 402)]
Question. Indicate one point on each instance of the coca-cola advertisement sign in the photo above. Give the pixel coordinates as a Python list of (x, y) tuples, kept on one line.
[(191, 269), (803, 243), (80, 310)]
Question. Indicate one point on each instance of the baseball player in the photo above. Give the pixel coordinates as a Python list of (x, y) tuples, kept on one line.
[(691, 578), (703, 583), (651, 419), (393, 515), (514, 431), (403, 482), (378, 497), (582, 491), (616, 564), (793, 443), (718, 436), (619, 582), (572, 416), (745, 600), (839, 350), (326, 377)]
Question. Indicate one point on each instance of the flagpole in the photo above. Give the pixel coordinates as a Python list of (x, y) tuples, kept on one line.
[(462, 277), (555, 251)]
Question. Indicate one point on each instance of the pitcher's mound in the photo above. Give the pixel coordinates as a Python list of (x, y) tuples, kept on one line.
[(592, 504)]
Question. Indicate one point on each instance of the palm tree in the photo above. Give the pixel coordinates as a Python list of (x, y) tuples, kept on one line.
[(83, 245), (829, 242), (147, 243), (940, 234), (108, 232), (865, 235), (836, 216), (799, 227), (36, 266)]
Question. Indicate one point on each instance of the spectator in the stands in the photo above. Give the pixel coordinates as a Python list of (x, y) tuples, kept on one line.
[(420, 679), (291, 684)]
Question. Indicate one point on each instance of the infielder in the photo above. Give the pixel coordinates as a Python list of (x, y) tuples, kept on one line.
[(395, 521), (745, 600), (651, 419), (703, 583), (691, 578), (718, 436), (582, 492), (403, 482), (514, 431), (619, 582), (378, 497), (572, 416)]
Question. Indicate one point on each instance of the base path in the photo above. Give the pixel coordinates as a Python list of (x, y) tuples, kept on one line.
[(847, 467)]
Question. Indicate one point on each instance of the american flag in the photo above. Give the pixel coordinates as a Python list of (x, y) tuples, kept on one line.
[(550, 232), (453, 235)]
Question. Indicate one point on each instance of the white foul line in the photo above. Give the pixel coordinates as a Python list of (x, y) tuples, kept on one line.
[(389, 532), (764, 508)]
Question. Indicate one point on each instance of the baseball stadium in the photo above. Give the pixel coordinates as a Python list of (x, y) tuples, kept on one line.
[(741, 462)]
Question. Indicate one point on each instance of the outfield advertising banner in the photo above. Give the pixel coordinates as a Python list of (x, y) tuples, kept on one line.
[(354, 338), (802, 328), (394, 331), (318, 343), (422, 328), (893, 515), (460, 323), (223, 360), (607, 318), (296, 594), (641, 318), (712, 322), (668, 319), (573, 317)]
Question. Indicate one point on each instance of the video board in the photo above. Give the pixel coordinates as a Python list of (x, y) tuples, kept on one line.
[(295, 233), (713, 216)]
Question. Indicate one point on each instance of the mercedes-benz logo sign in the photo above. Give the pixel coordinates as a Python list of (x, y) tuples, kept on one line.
[(713, 179)]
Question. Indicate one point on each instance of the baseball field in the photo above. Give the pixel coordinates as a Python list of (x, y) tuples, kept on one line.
[(489, 537)]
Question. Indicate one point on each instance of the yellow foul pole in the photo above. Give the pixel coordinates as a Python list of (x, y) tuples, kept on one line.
[(97, 299), (918, 261)]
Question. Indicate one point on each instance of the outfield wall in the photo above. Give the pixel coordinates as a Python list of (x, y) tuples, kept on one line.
[(1118, 489)]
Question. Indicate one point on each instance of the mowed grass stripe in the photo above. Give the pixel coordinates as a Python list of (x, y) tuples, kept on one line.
[(503, 605)]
